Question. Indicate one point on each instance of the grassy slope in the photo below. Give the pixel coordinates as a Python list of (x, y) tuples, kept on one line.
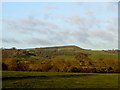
[(95, 55), (64, 56), (19, 79)]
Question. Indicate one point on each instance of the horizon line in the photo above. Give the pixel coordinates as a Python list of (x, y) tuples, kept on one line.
[(57, 46)]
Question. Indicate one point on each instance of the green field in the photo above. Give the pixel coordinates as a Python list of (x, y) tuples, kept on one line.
[(21, 79), (96, 55)]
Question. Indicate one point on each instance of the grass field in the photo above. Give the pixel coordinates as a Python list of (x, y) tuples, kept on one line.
[(20, 79), (96, 55)]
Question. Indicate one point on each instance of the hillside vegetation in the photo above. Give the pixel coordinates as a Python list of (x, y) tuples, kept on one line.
[(60, 59)]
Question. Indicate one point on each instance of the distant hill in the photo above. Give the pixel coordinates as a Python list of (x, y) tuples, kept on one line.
[(41, 52), (51, 52), (60, 59), (70, 47)]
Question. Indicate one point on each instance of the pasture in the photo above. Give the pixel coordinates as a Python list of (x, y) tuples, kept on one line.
[(24, 79)]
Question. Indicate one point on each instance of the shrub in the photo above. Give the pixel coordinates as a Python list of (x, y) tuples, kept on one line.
[(75, 69), (58, 65), (35, 67), (4, 66), (22, 66), (11, 63), (83, 59)]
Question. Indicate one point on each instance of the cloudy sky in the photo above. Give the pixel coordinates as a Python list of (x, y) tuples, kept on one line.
[(90, 25)]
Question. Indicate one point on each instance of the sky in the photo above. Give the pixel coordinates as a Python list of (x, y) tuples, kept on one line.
[(89, 25)]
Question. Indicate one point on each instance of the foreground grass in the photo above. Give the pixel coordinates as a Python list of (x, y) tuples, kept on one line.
[(20, 79)]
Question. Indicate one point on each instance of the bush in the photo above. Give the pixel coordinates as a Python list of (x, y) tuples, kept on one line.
[(4, 66), (83, 59), (58, 65), (75, 69), (11, 63), (65, 65), (22, 66)]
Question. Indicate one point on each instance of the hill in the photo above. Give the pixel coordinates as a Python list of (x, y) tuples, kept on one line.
[(60, 58), (56, 47), (41, 52)]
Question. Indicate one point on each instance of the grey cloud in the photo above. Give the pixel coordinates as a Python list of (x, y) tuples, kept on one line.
[(29, 25), (85, 26), (83, 37), (82, 34), (103, 35), (81, 22), (38, 41), (104, 45), (42, 41), (10, 40), (112, 28)]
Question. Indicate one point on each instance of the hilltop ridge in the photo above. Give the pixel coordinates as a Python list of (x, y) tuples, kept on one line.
[(68, 46)]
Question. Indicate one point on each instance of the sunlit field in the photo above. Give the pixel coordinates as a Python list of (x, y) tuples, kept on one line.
[(21, 79)]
